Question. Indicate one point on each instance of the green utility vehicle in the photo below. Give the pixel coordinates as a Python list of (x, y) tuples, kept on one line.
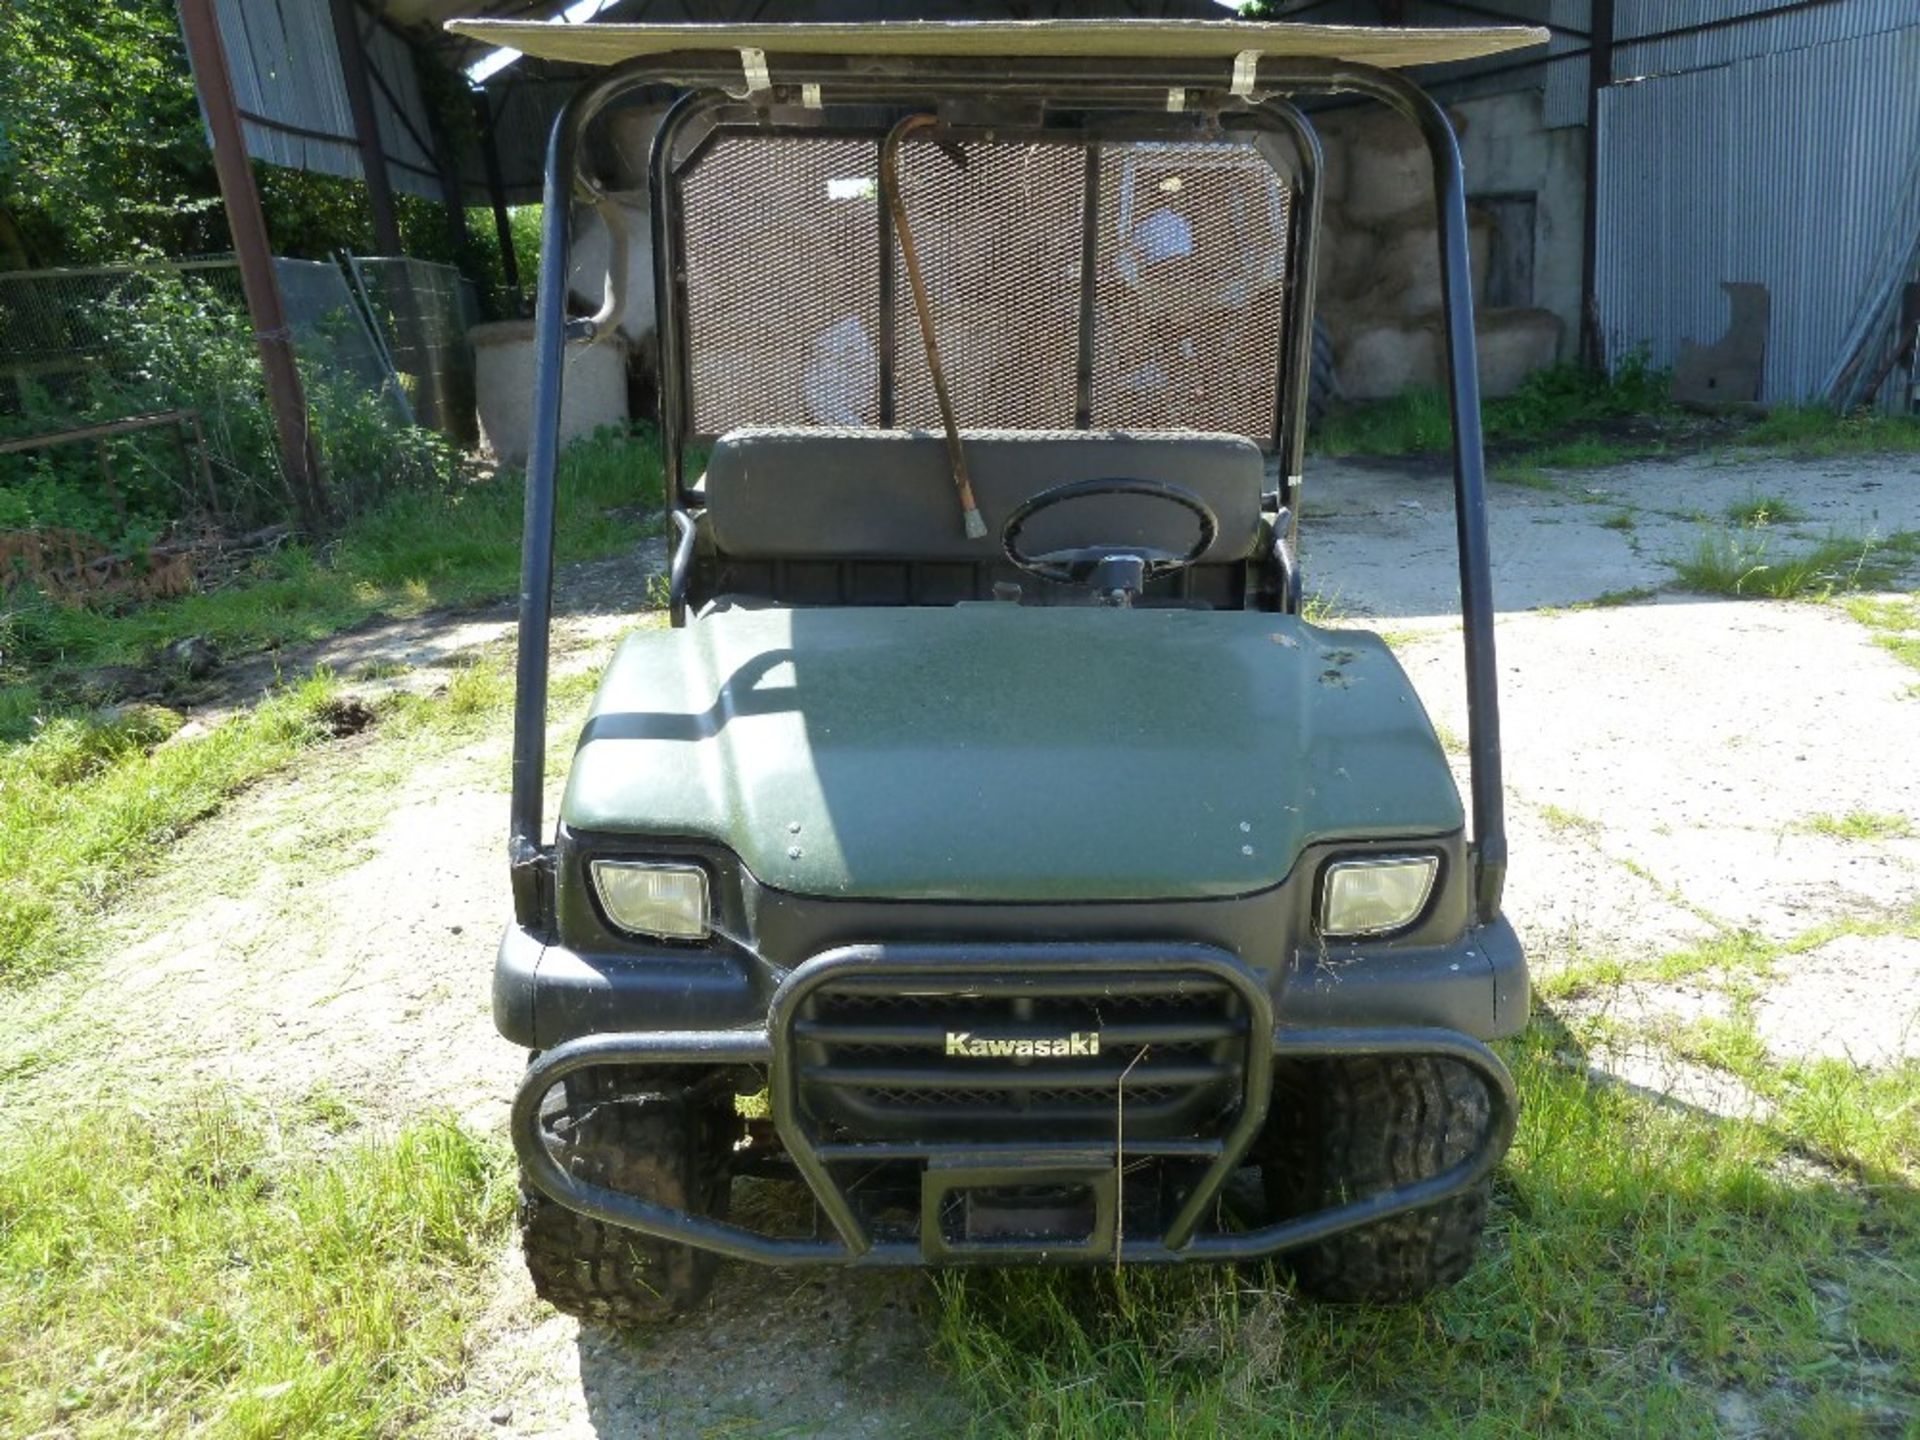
[(988, 863)]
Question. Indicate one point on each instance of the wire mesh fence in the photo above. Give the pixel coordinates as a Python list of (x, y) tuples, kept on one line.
[(379, 323), (380, 343), (422, 313)]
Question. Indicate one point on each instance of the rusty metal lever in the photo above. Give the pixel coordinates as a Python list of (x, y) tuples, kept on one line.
[(896, 207)]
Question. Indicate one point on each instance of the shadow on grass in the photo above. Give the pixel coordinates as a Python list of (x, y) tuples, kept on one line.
[(1648, 1267)]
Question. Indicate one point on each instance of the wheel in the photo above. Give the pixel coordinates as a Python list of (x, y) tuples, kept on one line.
[(1344, 1130), (647, 1134), (1322, 388)]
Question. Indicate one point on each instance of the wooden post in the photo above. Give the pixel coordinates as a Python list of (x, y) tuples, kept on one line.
[(211, 79)]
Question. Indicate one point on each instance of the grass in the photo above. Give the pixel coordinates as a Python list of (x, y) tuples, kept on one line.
[(1562, 419), (1815, 432), (1611, 599), (1567, 822), (1861, 825), (89, 797), (1751, 562), (1589, 452), (1319, 607), (202, 1267), (1413, 422), (1728, 956), (1643, 1261), (92, 801), (1619, 520), (416, 552), (1527, 477), (1894, 621), (1759, 510), (1546, 407)]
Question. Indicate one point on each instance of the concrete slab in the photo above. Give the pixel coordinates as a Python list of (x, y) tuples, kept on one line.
[(1856, 998), (1379, 536), (1664, 758)]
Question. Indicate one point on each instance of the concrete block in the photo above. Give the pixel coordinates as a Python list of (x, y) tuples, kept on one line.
[(1407, 265), (625, 144), (1348, 266), (1513, 344), (1729, 371), (1333, 149), (1382, 359), (1388, 174), (594, 392)]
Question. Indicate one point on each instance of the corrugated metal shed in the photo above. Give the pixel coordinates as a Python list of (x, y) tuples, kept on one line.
[(1798, 170), (286, 77), (1764, 27)]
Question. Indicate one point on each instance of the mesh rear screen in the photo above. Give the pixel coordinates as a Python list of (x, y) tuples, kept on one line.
[(1189, 265), (783, 294), (999, 241), (782, 251)]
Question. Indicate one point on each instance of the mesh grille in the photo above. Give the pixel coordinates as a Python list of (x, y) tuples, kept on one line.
[(875, 1063), (1190, 262), (999, 242), (782, 250), (783, 323)]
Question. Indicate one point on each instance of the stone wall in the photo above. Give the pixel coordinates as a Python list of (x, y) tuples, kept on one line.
[(1380, 262)]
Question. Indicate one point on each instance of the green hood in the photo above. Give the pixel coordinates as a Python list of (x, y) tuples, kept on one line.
[(1006, 753)]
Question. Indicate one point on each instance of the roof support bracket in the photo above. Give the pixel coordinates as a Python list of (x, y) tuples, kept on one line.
[(1246, 66), (753, 65)]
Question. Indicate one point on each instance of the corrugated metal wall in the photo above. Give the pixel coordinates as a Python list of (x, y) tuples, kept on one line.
[(286, 68), (1799, 170), (1766, 27)]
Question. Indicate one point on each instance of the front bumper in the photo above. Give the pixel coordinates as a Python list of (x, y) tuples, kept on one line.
[(546, 995), (953, 1165)]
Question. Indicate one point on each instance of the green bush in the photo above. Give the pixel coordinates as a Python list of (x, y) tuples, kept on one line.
[(172, 343)]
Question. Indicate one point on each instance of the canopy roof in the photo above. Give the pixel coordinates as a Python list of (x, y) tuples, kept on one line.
[(609, 44)]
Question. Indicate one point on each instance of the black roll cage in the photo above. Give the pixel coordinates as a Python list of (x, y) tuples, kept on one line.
[(709, 77)]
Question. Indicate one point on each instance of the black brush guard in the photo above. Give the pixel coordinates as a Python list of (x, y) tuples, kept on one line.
[(1242, 1054)]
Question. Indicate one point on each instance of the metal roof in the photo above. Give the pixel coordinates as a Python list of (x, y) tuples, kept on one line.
[(607, 44)]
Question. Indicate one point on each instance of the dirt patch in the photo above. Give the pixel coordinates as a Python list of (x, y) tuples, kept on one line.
[(824, 1353), (348, 715), (594, 601)]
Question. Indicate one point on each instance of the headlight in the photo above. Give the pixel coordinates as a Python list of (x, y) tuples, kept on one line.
[(1373, 896), (665, 901)]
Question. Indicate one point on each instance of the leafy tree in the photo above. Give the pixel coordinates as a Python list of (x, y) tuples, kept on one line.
[(103, 155), (101, 148)]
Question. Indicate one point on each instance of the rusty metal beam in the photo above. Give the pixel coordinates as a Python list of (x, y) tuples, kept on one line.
[(496, 189), (366, 127), (285, 397)]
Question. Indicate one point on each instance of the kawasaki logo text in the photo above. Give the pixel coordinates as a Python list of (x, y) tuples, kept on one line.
[(983, 1047)]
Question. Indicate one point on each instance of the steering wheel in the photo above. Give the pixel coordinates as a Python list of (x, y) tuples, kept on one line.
[(1117, 571)]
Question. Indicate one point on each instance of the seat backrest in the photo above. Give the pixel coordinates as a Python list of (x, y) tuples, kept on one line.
[(792, 494)]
